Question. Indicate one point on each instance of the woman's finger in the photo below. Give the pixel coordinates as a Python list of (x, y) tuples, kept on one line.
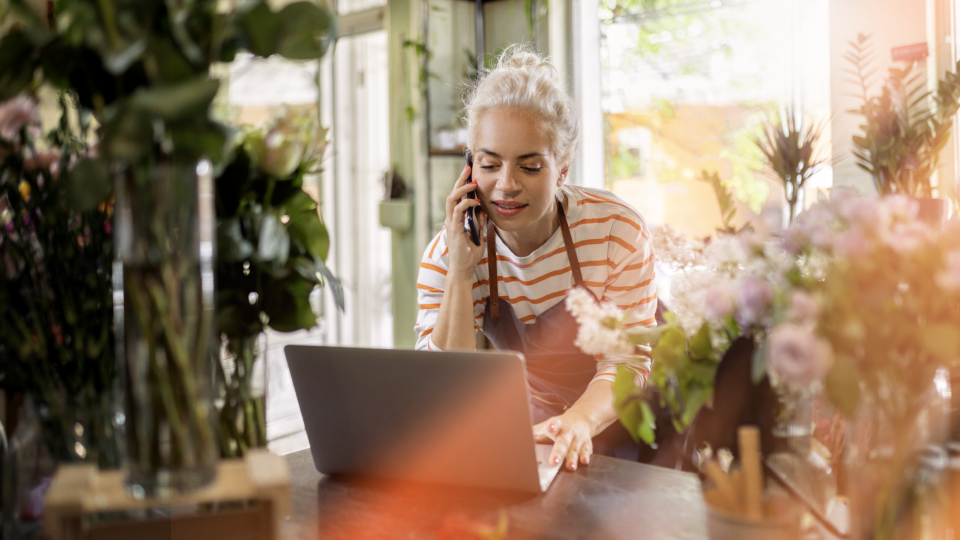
[(573, 454), (560, 447), (546, 432), (585, 452), (458, 190)]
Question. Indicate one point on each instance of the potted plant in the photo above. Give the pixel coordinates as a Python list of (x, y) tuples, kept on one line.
[(396, 209), (905, 128), (271, 248), (794, 153)]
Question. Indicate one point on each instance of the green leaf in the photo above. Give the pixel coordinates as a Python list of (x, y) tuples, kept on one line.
[(274, 242), (701, 348), (332, 283), (842, 385), (759, 362), (17, 62), (185, 100), (231, 245), (196, 142), (648, 424), (305, 30), (671, 350), (127, 133), (287, 303), (305, 226), (695, 400), (88, 184), (261, 28)]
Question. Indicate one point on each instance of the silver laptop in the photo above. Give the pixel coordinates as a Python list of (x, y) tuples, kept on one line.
[(458, 418)]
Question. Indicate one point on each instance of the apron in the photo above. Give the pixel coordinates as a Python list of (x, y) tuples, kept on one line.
[(557, 372)]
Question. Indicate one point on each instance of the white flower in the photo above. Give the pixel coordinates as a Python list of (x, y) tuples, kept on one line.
[(797, 356), (601, 324)]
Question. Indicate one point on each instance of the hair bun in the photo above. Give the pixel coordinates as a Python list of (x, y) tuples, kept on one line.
[(521, 56)]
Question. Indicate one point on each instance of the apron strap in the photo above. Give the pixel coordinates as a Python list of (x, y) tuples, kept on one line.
[(492, 267), (492, 259), (571, 250)]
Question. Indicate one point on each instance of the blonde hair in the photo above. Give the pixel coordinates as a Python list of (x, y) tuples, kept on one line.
[(524, 80)]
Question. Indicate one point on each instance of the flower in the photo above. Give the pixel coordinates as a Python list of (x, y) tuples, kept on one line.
[(49, 161), (851, 244), (15, 114), (275, 152), (601, 325), (721, 301), (803, 307), (949, 278), (754, 297), (797, 356)]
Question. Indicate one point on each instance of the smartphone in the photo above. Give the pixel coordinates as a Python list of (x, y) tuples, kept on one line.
[(471, 223)]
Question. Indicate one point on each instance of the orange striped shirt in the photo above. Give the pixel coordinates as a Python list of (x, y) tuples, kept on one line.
[(616, 260)]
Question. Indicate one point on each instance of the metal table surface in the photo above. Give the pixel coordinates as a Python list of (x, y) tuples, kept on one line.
[(607, 500)]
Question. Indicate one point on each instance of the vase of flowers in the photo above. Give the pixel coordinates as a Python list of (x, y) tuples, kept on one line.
[(164, 232), (888, 312), (271, 248)]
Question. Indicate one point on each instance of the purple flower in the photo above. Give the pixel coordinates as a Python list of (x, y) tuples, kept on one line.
[(796, 355), (754, 297)]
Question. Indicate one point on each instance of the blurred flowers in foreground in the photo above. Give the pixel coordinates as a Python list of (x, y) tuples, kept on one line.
[(292, 141)]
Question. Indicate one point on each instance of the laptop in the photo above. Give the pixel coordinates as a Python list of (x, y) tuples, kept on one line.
[(458, 418)]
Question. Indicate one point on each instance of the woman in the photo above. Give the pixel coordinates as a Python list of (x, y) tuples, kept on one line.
[(541, 238)]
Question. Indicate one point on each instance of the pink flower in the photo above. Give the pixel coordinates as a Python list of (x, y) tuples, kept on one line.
[(949, 277), (797, 356), (803, 307), (862, 213), (851, 244), (44, 161), (908, 236), (754, 296), (14, 114), (721, 301), (900, 208)]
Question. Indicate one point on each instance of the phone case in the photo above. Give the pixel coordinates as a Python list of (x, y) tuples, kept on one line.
[(471, 222)]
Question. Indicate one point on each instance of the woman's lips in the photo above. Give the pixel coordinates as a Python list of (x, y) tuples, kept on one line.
[(508, 208)]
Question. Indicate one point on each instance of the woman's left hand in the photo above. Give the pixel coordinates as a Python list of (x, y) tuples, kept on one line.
[(571, 435)]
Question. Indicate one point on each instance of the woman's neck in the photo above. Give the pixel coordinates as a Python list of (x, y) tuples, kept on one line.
[(530, 238)]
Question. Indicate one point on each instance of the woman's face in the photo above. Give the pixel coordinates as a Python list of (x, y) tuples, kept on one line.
[(516, 171)]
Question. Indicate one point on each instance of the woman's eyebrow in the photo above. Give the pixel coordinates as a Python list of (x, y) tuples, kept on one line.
[(498, 156)]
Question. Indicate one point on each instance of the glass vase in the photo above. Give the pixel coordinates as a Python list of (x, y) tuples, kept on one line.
[(241, 401), (164, 235), (888, 451)]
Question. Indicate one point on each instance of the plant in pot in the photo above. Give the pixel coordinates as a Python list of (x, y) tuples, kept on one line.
[(905, 128), (142, 70), (396, 208), (794, 152), (271, 247)]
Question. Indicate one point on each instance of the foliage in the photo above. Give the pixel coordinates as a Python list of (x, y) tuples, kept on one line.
[(794, 152), (725, 200), (684, 368), (905, 127), (142, 69), (271, 247), (56, 306), (669, 29)]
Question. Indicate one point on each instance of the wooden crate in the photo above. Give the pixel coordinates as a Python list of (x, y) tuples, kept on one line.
[(260, 482)]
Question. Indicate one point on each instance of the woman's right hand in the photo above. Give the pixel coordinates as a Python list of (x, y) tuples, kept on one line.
[(464, 254)]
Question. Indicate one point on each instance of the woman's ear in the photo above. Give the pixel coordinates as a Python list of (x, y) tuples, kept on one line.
[(563, 175)]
